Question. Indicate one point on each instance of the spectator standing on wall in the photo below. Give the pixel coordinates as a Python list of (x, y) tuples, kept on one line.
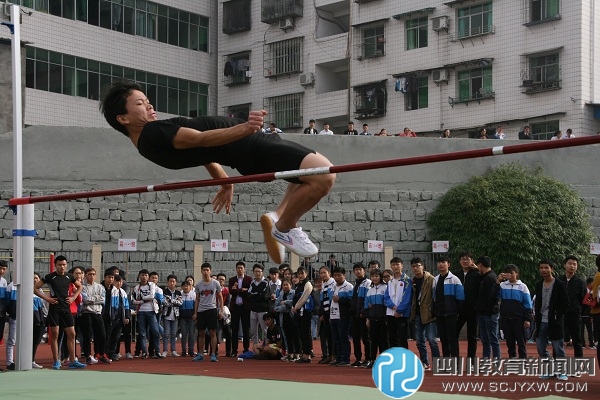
[(311, 130), (326, 130), (350, 130)]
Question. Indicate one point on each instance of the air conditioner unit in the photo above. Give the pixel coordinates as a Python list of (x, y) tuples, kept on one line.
[(307, 78), (248, 74), (286, 23), (439, 75), (439, 23)]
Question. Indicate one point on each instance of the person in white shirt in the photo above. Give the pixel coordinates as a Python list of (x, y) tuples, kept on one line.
[(326, 130)]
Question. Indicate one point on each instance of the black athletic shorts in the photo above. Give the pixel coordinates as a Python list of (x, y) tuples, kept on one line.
[(62, 318), (271, 153), (207, 319)]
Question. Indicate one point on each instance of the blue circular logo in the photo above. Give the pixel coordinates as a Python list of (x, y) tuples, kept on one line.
[(398, 373)]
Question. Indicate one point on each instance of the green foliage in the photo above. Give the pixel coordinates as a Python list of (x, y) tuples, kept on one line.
[(515, 215)]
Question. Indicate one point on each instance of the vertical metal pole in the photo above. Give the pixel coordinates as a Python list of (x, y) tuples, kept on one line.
[(23, 225)]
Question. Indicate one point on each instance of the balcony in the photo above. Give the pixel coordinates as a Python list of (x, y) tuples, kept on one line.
[(236, 16), (531, 87), (274, 10), (469, 33), (337, 105), (481, 94)]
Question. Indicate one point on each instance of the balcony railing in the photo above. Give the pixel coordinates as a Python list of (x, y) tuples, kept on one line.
[(274, 10), (469, 33), (531, 87)]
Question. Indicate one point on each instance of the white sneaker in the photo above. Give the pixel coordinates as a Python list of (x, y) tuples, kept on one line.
[(164, 354), (35, 365), (175, 354), (296, 241), (128, 356), (91, 360), (274, 248)]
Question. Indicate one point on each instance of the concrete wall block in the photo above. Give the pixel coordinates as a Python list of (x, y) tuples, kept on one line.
[(242, 216), (187, 215), (416, 225), (115, 215), (407, 215), (162, 197), (589, 201), (187, 197), (152, 236), (103, 204), (45, 245), (388, 215), (334, 216), (328, 235), (175, 197), (360, 195), (227, 235), (164, 234), (316, 235), (421, 214), (319, 216), (388, 195), (120, 226), (226, 217), (69, 215), (38, 215), (142, 236), (154, 225), (244, 235), (53, 225), (253, 216), (364, 205), (169, 245), (94, 214), (334, 197), (59, 215), (256, 236), (437, 195), (415, 195), (244, 198), (388, 226), (379, 235), (114, 237), (201, 198), (428, 204), (347, 216), (150, 245), (162, 214), (188, 234), (229, 226), (426, 195), (360, 236), (131, 198), (131, 216), (177, 234), (378, 215), (115, 199), (148, 197), (40, 234), (404, 195), (420, 235), (240, 247), (68, 234), (266, 199), (163, 206), (392, 236), (403, 235), (82, 215), (50, 235), (103, 213), (84, 236), (360, 215), (175, 215), (7, 233), (148, 215), (256, 199), (68, 205), (370, 215), (48, 215), (99, 236), (346, 226), (339, 247), (132, 206), (214, 235), (372, 195), (348, 197)]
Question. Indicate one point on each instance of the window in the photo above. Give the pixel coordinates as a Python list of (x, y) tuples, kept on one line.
[(475, 20), (236, 16), (373, 41), (544, 130), (286, 110), (544, 69), (544, 10), (240, 111), (370, 100), (134, 17), (417, 95), (274, 10), (284, 57), (416, 33), (237, 69), (474, 83), (76, 76)]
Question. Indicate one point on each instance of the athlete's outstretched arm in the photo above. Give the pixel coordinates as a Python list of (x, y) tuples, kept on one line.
[(224, 196), (187, 138)]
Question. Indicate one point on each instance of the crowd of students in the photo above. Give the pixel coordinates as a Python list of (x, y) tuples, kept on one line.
[(280, 315)]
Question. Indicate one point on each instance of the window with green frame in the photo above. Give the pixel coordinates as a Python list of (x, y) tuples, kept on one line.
[(416, 33), (470, 83), (418, 97), (544, 9), (77, 76), (544, 130), (544, 69), (373, 41), (475, 20)]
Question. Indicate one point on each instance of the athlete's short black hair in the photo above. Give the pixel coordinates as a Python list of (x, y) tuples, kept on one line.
[(114, 100)]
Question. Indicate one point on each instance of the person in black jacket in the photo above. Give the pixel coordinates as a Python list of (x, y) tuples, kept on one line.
[(258, 294), (470, 278), (551, 304), (358, 320), (488, 309), (576, 290)]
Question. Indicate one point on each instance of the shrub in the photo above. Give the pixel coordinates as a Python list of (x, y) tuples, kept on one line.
[(515, 215)]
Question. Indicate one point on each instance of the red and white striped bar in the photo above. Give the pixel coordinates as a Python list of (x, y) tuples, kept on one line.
[(271, 176)]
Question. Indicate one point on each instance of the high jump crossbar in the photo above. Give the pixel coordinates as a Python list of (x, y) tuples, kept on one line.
[(271, 176)]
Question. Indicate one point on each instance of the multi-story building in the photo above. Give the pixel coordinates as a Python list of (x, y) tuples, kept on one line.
[(76, 47), (429, 65)]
